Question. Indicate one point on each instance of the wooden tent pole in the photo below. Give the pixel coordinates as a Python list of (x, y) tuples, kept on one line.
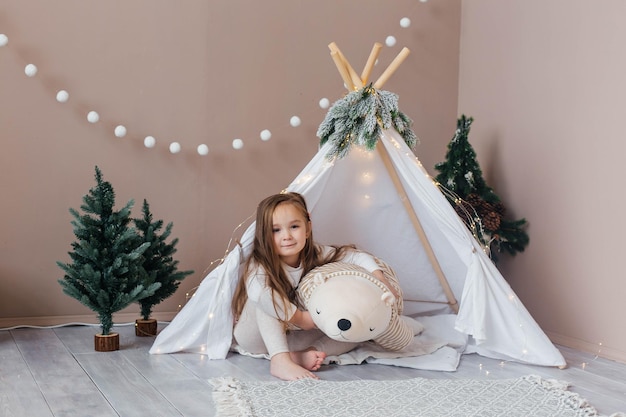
[(356, 80), (418, 226), (391, 68), (371, 60), (342, 70)]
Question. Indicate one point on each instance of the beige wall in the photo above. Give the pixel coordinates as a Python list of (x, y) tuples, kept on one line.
[(545, 83), (193, 72)]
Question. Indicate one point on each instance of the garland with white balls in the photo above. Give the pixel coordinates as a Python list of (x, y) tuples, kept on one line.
[(120, 131)]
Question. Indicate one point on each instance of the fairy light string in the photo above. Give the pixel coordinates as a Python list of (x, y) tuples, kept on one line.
[(217, 262)]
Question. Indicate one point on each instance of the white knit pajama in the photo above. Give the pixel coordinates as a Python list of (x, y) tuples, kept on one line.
[(259, 333)]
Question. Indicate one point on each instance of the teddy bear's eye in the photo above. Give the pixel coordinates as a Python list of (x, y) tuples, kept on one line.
[(372, 329), (317, 311)]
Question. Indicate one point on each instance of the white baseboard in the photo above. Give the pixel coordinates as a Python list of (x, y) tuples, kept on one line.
[(584, 346), (86, 319)]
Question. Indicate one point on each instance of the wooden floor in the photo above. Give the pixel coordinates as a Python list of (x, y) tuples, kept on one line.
[(56, 372)]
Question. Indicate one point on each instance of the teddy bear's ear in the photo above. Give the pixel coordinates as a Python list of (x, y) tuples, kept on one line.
[(388, 298), (319, 278)]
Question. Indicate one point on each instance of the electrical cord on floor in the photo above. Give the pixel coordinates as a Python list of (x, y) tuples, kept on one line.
[(56, 326)]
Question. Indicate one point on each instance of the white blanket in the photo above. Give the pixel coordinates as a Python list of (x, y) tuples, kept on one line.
[(437, 348)]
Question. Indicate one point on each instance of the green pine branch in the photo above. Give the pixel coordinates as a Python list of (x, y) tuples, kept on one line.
[(511, 236), (359, 118)]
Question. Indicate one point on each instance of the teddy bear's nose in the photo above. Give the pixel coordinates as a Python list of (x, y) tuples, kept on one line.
[(344, 324)]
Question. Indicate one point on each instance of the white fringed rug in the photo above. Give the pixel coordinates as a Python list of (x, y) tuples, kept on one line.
[(526, 396)]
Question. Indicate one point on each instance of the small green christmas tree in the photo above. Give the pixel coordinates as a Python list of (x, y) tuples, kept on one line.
[(106, 272), (158, 261), (473, 200)]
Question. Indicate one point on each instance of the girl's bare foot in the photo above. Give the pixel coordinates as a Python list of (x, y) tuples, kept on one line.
[(310, 359), (283, 366)]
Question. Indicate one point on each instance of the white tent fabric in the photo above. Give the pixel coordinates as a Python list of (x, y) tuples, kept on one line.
[(353, 200)]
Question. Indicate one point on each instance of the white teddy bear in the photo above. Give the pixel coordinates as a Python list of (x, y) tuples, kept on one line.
[(349, 304)]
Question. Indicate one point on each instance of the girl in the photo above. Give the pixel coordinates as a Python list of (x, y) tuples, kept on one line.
[(268, 320)]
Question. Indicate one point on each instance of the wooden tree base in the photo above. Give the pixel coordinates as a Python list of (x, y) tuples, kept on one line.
[(107, 343), (145, 327)]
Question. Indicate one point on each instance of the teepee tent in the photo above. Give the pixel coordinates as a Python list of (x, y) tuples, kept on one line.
[(382, 200)]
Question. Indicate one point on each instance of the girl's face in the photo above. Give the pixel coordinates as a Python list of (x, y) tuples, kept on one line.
[(290, 230)]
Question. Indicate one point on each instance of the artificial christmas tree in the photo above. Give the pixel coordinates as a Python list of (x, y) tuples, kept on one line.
[(106, 272), (460, 179), (160, 267)]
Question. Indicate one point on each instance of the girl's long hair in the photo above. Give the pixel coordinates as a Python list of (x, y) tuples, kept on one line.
[(264, 254)]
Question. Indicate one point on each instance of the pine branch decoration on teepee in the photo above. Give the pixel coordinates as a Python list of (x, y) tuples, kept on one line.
[(359, 117), (460, 179), (106, 272)]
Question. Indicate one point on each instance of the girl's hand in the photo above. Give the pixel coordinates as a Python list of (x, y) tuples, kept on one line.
[(303, 320), (381, 277)]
